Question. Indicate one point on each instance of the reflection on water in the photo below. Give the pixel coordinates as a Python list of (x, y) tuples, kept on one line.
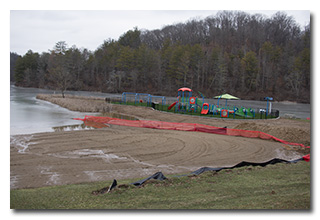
[(75, 127), (29, 115)]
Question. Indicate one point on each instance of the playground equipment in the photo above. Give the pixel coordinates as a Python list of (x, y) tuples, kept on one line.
[(244, 112), (224, 113), (173, 104), (268, 111), (184, 96), (205, 109), (187, 103)]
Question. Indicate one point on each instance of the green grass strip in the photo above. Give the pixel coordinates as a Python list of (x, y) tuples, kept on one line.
[(279, 186)]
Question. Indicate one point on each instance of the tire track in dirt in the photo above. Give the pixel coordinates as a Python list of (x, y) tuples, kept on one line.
[(125, 152)]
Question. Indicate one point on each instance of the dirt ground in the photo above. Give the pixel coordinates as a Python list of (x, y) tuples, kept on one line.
[(119, 152), (287, 129)]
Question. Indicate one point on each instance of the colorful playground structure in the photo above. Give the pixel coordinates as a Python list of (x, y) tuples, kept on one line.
[(187, 103)]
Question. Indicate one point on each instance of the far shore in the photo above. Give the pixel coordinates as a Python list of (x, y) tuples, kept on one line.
[(58, 93)]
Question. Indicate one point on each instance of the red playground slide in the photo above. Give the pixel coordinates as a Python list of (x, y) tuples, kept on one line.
[(173, 104), (205, 109)]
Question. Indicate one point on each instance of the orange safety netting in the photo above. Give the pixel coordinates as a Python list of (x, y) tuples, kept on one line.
[(183, 127)]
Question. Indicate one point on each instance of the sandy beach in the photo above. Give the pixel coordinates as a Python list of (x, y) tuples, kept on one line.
[(119, 152)]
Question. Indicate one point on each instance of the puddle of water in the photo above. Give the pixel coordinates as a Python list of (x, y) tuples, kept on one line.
[(53, 177), (87, 153), (75, 127), (13, 181), (21, 143)]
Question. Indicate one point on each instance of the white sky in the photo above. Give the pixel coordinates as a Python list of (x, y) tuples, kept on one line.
[(39, 30)]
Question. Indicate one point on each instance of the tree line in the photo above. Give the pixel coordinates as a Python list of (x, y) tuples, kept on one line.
[(249, 56)]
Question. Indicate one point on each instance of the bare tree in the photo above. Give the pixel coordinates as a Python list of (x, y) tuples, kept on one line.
[(61, 78), (59, 74)]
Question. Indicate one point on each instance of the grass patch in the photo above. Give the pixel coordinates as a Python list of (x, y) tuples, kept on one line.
[(77, 103), (280, 186)]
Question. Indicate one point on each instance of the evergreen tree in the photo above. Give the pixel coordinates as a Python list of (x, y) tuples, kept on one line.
[(250, 70), (248, 55)]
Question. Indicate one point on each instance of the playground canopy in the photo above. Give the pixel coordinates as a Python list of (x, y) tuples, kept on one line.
[(225, 96), (185, 89)]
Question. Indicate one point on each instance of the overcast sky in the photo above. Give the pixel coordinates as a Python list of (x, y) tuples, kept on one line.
[(39, 30)]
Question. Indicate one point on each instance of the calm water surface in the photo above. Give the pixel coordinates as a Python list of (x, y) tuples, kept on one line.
[(29, 115)]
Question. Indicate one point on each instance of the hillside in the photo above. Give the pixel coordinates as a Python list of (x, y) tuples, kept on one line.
[(248, 55)]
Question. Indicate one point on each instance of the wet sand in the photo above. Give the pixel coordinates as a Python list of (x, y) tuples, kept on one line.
[(119, 152), (123, 152)]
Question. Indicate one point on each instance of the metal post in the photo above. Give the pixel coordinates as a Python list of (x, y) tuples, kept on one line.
[(135, 98), (267, 107)]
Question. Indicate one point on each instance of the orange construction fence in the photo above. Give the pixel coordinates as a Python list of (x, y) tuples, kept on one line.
[(99, 121)]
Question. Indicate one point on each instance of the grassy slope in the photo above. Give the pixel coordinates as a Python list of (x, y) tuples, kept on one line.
[(280, 186)]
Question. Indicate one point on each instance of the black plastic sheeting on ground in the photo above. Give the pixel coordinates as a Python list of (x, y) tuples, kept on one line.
[(156, 176), (244, 163), (160, 176), (106, 189)]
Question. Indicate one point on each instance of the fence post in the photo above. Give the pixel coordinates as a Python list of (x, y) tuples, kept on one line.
[(124, 97)]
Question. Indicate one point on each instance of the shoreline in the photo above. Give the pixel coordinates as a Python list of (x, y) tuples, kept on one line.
[(119, 94)]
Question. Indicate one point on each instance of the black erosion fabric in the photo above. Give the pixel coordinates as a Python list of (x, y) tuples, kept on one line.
[(156, 176), (106, 189), (113, 185), (244, 163), (160, 176)]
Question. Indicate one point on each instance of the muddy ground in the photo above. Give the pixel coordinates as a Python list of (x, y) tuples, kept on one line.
[(119, 152)]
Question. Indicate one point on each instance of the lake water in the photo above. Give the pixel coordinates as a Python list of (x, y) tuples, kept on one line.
[(29, 115)]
